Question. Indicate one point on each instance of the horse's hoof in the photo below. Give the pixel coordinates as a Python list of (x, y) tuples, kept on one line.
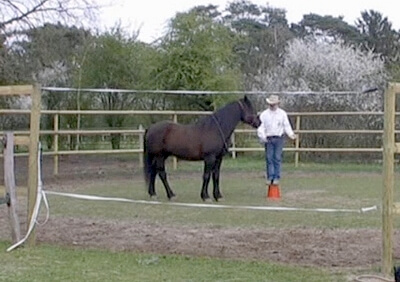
[(153, 197), (207, 200), (220, 199), (172, 198)]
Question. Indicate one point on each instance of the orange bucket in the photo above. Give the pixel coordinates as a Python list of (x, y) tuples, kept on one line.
[(274, 192)]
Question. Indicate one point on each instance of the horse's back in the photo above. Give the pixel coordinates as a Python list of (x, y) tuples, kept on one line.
[(158, 127)]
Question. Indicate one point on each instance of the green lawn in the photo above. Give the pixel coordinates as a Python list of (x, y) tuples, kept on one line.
[(51, 263), (339, 186)]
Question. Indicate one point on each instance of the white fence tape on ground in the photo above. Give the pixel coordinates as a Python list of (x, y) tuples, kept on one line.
[(217, 206), (41, 195)]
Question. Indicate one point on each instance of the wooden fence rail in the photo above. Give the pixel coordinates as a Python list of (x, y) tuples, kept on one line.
[(139, 132)]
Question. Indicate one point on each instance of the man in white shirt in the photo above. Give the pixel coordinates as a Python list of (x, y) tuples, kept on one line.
[(274, 125)]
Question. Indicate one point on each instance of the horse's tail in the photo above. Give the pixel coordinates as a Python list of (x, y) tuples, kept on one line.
[(147, 160)]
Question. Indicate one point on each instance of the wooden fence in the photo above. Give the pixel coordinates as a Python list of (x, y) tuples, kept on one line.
[(57, 132), (31, 140), (390, 147)]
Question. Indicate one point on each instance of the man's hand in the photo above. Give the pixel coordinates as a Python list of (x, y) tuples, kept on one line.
[(293, 137)]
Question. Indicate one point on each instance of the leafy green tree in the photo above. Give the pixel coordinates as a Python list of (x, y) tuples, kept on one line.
[(379, 36), (263, 33), (45, 54), (7, 62), (333, 28), (116, 61), (19, 19), (326, 26), (49, 56), (197, 54)]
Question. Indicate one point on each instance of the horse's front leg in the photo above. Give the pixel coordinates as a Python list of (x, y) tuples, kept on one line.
[(208, 166), (215, 174)]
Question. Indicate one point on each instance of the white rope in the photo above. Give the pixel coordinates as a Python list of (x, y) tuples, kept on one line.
[(194, 92), (46, 203), (39, 196), (368, 277), (265, 208)]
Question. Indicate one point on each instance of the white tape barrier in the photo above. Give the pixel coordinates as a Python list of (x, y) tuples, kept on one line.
[(39, 196), (218, 206), (42, 195), (195, 92)]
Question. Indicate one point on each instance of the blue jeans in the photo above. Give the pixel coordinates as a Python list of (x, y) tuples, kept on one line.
[(273, 157)]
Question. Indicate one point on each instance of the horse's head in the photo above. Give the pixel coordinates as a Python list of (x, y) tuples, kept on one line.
[(248, 114)]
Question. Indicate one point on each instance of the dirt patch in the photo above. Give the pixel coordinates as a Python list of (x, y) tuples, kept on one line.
[(302, 246), (329, 248)]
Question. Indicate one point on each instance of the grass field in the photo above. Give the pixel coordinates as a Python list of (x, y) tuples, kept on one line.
[(310, 186), (51, 263), (339, 186)]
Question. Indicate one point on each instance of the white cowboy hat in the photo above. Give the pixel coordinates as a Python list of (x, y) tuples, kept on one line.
[(273, 99)]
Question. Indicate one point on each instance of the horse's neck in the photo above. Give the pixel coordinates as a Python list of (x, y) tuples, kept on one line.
[(227, 118)]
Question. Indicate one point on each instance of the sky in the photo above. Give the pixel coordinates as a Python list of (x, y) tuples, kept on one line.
[(151, 16)]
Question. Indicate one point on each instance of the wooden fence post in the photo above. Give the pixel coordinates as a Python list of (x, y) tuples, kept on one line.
[(141, 146), (297, 142), (175, 159), (388, 179), (233, 141), (55, 145), (9, 182), (33, 157)]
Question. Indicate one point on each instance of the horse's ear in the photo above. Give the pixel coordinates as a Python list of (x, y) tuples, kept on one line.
[(247, 100)]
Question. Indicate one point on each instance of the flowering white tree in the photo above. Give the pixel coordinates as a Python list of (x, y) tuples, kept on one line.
[(321, 66), (325, 66), (317, 66)]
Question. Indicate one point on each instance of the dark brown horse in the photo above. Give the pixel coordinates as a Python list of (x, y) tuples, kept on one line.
[(205, 140)]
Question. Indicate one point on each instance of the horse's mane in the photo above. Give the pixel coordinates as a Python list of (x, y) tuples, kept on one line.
[(229, 110)]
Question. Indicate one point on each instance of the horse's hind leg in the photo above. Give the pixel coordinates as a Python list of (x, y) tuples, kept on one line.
[(208, 166), (152, 180), (215, 174), (163, 176)]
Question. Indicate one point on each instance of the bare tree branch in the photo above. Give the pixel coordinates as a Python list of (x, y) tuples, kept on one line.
[(17, 15)]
